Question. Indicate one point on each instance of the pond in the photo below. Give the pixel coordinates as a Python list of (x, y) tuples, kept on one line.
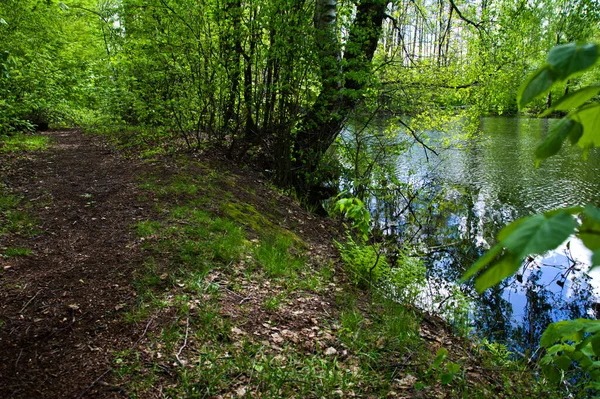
[(463, 196)]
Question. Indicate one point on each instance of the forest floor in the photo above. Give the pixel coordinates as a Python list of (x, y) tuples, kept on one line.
[(183, 276)]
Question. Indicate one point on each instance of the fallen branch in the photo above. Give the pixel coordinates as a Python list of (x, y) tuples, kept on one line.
[(94, 383)]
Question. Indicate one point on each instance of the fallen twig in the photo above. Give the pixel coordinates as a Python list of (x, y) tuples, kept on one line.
[(187, 329), (94, 383), (29, 301), (18, 358), (108, 370)]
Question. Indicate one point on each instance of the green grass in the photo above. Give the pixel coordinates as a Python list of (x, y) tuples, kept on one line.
[(200, 263), (9, 201), (14, 220), (277, 255), (16, 252), (147, 228), (23, 142)]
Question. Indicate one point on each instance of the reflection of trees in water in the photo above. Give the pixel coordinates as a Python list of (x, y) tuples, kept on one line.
[(492, 316), (443, 226)]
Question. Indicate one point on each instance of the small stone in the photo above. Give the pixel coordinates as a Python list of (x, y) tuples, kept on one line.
[(331, 351), (278, 339), (237, 331)]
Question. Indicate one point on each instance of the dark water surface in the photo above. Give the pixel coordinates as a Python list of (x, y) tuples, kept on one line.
[(477, 186)]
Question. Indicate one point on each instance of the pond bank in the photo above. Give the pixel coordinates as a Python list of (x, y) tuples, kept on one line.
[(182, 276)]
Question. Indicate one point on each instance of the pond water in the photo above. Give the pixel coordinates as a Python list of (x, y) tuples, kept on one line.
[(473, 188)]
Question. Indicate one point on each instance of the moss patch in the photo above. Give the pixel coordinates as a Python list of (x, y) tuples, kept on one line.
[(248, 216)]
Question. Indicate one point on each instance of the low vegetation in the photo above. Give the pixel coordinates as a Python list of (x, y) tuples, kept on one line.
[(240, 304)]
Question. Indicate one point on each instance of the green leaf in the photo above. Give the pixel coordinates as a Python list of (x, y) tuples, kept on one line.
[(440, 356), (591, 326), (505, 267), (596, 344), (3, 22), (552, 373), (453, 368), (539, 234), (589, 118), (539, 83), (446, 378), (586, 362), (560, 331), (568, 59), (586, 342), (574, 99), (556, 137), (509, 228), (563, 362), (592, 212), (482, 262), (589, 232), (555, 349), (576, 356)]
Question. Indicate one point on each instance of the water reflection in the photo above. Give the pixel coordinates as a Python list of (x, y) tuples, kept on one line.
[(461, 199)]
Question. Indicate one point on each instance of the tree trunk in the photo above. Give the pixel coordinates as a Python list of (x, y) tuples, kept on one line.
[(342, 85)]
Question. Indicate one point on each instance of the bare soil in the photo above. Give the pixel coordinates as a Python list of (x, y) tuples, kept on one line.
[(61, 307)]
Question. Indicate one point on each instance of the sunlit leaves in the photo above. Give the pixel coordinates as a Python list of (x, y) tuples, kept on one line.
[(505, 267), (562, 330), (355, 210), (589, 118), (596, 259), (589, 232), (578, 346), (539, 234), (563, 62), (569, 59), (582, 125), (482, 262)]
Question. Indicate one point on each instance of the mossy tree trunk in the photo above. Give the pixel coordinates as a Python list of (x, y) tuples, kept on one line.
[(343, 80)]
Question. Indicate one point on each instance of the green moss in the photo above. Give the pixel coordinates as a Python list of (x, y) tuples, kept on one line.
[(248, 216)]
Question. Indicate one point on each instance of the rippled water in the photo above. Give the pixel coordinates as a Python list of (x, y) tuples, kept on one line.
[(499, 164), (491, 180)]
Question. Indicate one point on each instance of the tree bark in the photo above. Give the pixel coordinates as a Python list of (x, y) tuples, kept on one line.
[(342, 85)]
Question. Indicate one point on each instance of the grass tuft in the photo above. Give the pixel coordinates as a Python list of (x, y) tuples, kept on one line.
[(23, 142), (276, 255)]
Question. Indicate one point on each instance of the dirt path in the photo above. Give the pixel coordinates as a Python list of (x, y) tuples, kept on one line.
[(60, 308)]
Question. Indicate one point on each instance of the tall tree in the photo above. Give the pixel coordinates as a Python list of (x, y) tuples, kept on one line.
[(343, 79)]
